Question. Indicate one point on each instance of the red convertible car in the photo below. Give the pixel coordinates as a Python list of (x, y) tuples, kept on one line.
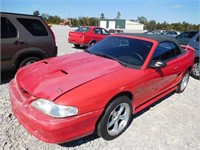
[(87, 35), (67, 97)]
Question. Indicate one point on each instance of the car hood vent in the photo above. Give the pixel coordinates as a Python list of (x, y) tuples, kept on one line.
[(63, 71), (45, 62)]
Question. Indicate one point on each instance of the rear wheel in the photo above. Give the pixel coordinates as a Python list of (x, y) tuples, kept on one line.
[(184, 82), (116, 118), (196, 70), (28, 61)]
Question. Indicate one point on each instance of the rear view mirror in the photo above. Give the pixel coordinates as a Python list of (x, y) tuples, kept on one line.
[(158, 64)]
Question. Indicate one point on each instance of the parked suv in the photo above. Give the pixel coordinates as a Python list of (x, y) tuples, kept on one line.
[(25, 39), (195, 43)]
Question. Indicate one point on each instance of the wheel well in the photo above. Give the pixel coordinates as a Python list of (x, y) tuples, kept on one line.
[(128, 94), (196, 59), (22, 57), (190, 68)]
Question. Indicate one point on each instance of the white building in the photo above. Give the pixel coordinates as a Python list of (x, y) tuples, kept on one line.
[(120, 24)]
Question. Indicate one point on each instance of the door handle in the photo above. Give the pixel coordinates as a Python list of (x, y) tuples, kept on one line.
[(19, 42)]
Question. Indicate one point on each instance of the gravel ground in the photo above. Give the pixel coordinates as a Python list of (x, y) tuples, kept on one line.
[(173, 123)]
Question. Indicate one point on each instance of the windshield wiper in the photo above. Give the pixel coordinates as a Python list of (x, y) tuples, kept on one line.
[(113, 58), (107, 56)]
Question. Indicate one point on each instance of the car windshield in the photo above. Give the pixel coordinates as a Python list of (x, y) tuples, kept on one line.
[(83, 29), (127, 51)]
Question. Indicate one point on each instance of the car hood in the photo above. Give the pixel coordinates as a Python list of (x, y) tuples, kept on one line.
[(55, 76)]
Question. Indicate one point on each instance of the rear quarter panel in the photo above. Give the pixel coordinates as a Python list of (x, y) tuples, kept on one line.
[(75, 37)]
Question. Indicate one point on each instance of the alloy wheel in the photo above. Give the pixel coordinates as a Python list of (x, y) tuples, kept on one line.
[(118, 119)]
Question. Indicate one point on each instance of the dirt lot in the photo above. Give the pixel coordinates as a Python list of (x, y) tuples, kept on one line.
[(171, 124)]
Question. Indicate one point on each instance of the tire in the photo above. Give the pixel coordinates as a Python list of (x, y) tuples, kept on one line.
[(28, 61), (116, 118), (184, 82), (92, 43), (196, 70), (77, 45)]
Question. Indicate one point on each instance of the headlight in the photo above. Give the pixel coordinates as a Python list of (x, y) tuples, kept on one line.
[(54, 110)]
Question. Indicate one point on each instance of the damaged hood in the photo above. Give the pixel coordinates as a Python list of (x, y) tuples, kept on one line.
[(52, 77)]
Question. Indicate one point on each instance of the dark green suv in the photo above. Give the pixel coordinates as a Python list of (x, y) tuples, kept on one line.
[(25, 39)]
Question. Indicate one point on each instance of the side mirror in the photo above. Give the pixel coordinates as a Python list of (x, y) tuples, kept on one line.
[(158, 64)]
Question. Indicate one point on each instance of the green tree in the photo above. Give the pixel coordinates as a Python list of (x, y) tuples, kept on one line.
[(151, 25), (45, 16), (85, 21), (74, 22), (118, 15), (93, 21), (80, 21), (36, 13), (54, 19), (102, 16), (142, 20)]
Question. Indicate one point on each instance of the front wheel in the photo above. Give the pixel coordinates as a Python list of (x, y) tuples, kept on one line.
[(116, 118), (184, 82)]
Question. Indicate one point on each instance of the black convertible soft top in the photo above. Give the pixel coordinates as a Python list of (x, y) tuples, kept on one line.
[(156, 37)]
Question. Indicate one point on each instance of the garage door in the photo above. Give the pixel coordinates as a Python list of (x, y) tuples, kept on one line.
[(111, 25), (103, 24)]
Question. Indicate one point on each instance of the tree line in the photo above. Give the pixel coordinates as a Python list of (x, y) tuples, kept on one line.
[(179, 26), (94, 21)]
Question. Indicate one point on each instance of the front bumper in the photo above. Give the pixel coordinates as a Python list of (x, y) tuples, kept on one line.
[(46, 128)]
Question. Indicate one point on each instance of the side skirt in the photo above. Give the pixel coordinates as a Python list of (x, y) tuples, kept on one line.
[(151, 101)]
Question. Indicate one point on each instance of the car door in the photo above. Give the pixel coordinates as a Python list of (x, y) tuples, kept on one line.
[(158, 80), (100, 34), (11, 43), (105, 33), (97, 36)]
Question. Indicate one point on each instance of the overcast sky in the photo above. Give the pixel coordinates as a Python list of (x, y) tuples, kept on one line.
[(171, 11)]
